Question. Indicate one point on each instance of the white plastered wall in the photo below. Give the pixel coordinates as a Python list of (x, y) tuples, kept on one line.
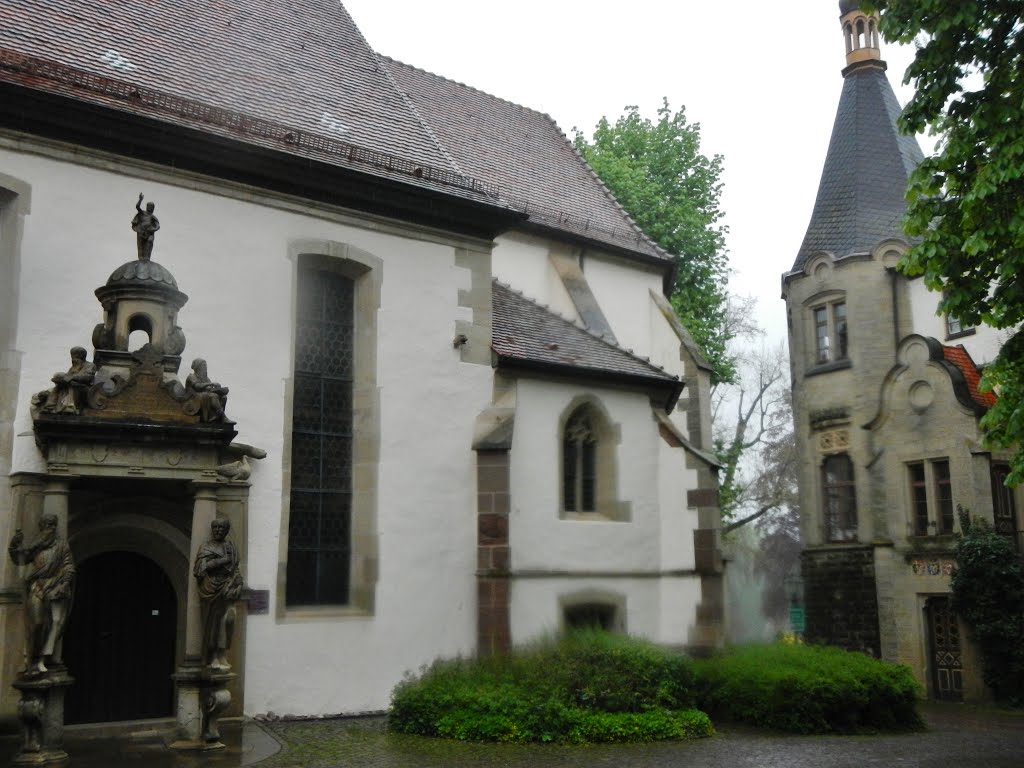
[(647, 559), (230, 256), (983, 345), (521, 261), (659, 609)]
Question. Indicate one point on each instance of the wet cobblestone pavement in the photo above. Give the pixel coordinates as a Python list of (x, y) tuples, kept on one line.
[(957, 736), (960, 736)]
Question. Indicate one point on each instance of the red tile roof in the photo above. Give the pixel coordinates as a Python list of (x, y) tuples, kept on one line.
[(961, 358)]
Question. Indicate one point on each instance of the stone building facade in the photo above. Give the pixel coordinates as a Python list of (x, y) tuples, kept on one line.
[(886, 404), (445, 404)]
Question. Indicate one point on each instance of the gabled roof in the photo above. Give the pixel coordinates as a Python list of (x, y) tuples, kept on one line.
[(298, 77), (302, 63), (526, 335), (861, 195), (525, 153)]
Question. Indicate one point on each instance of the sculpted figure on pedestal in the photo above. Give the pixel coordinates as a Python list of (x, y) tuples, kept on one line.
[(69, 391), (145, 225), (49, 588), (220, 586), (211, 397)]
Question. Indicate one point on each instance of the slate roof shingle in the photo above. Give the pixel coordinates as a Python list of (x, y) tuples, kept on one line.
[(526, 334), (861, 195)]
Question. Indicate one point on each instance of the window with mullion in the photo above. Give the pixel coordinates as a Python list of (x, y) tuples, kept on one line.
[(319, 541), (943, 496), (579, 463), (919, 498)]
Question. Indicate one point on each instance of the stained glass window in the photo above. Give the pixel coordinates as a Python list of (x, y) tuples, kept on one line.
[(319, 529)]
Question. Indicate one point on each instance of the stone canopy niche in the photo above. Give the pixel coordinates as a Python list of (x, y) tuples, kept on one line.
[(122, 428)]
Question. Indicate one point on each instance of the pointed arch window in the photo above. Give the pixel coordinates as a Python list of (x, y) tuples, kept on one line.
[(579, 457), (840, 498)]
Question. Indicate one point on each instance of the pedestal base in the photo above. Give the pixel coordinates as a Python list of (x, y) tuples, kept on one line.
[(41, 714), (202, 697)]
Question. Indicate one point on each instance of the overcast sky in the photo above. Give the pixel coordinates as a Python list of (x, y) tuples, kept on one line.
[(762, 79)]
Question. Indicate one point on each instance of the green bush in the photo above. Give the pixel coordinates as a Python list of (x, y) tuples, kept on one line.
[(808, 689), (588, 686), (988, 592)]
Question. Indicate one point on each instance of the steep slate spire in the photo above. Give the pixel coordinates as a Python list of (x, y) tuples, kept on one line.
[(861, 193)]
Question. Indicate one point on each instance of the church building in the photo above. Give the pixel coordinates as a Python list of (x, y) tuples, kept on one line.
[(392, 329), (886, 404)]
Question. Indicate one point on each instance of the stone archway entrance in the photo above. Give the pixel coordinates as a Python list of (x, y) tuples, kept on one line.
[(122, 650)]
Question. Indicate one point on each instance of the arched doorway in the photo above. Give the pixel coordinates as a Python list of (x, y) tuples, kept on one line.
[(119, 644)]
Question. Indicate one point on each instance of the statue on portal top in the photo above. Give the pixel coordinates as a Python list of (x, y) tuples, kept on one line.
[(69, 389), (145, 225)]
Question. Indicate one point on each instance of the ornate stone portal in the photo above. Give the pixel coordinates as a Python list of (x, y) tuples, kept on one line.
[(126, 416)]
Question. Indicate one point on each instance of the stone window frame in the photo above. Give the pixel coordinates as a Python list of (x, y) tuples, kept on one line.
[(930, 497), (366, 272), (828, 310), (838, 490), (607, 436), (831, 316)]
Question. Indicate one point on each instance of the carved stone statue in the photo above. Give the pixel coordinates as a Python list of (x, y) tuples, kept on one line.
[(211, 396), (49, 589), (145, 225), (69, 391), (220, 586)]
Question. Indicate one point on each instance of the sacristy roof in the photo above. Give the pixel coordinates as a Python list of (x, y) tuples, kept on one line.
[(527, 335)]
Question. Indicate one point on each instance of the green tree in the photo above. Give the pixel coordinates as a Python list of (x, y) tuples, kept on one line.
[(658, 173), (988, 592), (966, 202)]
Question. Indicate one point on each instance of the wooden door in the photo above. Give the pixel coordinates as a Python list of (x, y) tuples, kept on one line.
[(946, 655), (119, 644)]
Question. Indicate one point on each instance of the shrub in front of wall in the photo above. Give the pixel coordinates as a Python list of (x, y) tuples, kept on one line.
[(808, 689), (588, 686), (988, 593)]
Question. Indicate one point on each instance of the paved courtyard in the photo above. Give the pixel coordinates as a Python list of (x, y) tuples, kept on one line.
[(957, 736)]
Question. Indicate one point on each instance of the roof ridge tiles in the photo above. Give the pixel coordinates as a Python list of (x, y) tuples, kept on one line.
[(409, 103), (599, 337), (467, 87)]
